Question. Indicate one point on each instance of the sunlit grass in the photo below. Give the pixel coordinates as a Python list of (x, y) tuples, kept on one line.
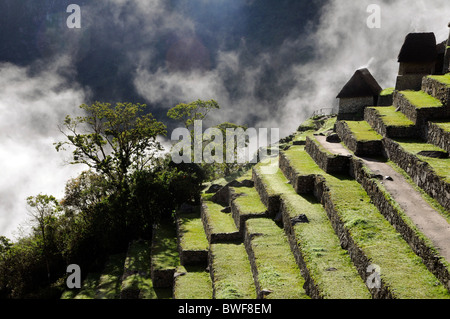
[(277, 269), (362, 131), (233, 277), (391, 117), (421, 100)]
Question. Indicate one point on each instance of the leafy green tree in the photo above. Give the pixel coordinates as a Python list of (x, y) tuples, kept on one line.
[(113, 140), (198, 110), (228, 168), (194, 111), (44, 210)]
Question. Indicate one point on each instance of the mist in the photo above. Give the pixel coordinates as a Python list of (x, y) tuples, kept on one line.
[(31, 107), (266, 70)]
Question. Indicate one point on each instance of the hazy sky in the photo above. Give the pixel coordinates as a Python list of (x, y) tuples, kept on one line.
[(35, 97)]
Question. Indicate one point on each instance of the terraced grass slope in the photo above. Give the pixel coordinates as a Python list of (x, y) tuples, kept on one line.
[(299, 228)]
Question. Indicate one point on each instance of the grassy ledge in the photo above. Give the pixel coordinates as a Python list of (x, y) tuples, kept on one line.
[(401, 270), (444, 79), (277, 272), (421, 100), (217, 221), (137, 283), (249, 202), (192, 283), (231, 272), (192, 235), (362, 131), (164, 249), (439, 165), (329, 266), (110, 279), (391, 117)]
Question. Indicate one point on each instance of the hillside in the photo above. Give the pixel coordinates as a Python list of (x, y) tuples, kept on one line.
[(355, 210)]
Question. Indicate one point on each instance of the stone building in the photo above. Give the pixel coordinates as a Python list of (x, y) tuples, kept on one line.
[(418, 57), (361, 90)]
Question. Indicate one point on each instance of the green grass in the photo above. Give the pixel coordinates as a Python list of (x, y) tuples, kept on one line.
[(89, 286), (302, 162), (401, 269), (444, 125), (164, 248), (441, 166), (277, 269), (421, 100), (192, 233), (194, 284), (308, 125), (110, 279), (301, 136), (362, 131), (390, 117), (138, 262), (322, 251), (387, 92), (445, 79), (233, 277), (249, 202), (275, 184), (219, 222)]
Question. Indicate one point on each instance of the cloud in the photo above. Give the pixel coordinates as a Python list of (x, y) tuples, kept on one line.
[(31, 107), (338, 45)]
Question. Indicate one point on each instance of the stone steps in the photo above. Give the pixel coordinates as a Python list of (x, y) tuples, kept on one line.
[(389, 122), (437, 86), (430, 174), (330, 162), (193, 244), (419, 233), (230, 271), (420, 224), (164, 255), (192, 282), (419, 106), (218, 223), (360, 138), (245, 203), (369, 237), (326, 268), (438, 133), (275, 272), (136, 278)]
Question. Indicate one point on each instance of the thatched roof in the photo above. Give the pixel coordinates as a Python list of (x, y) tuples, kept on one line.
[(361, 84), (418, 47)]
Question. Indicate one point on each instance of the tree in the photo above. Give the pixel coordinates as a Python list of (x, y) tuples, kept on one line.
[(226, 167), (194, 111), (115, 140), (43, 209)]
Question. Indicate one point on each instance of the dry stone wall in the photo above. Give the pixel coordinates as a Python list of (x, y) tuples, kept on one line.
[(422, 173), (437, 136), (330, 163), (437, 89), (360, 148), (372, 117), (394, 214)]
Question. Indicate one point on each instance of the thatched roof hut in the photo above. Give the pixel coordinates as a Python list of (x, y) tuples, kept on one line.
[(418, 48), (361, 84)]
